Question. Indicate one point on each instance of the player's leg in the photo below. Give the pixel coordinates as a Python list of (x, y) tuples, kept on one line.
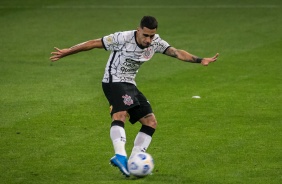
[(144, 136), (144, 114), (118, 137), (117, 132), (119, 96)]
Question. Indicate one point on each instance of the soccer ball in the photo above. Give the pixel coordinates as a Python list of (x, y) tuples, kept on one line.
[(140, 164)]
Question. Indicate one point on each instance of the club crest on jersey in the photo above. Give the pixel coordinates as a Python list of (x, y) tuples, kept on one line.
[(148, 53), (127, 100)]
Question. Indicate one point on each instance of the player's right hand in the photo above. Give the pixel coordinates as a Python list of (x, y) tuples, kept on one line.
[(58, 54)]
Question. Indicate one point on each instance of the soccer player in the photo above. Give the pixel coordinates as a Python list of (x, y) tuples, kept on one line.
[(129, 50)]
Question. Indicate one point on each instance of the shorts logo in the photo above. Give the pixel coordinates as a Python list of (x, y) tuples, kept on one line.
[(127, 100)]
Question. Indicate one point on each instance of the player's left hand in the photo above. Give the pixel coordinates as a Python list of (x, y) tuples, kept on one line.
[(206, 61)]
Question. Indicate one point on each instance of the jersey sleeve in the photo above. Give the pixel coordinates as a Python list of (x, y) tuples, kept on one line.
[(161, 46), (113, 41)]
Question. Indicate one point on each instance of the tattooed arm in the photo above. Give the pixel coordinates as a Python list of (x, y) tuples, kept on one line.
[(187, 57)]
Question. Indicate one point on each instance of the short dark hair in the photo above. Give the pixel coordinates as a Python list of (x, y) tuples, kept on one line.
[(149, 22)]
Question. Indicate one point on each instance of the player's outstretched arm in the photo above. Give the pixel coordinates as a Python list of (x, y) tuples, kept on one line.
[(185, 56), (88, 45)]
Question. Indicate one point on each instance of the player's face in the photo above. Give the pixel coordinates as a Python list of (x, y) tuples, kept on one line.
[(145, 36)]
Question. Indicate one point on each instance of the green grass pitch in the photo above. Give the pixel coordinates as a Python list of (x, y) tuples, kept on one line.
[(54, 121)]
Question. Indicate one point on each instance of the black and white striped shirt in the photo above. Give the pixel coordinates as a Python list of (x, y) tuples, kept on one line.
[(127, 56)]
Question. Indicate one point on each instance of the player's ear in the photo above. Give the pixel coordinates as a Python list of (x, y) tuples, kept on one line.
[(139, 30)]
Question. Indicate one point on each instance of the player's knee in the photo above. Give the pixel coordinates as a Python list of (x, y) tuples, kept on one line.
[(153, 123), (121, 116), (149, 120)]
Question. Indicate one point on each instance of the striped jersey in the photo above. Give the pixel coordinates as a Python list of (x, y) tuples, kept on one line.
[(127, 56)]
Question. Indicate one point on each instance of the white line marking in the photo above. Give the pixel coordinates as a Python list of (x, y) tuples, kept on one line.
[(143, 7)]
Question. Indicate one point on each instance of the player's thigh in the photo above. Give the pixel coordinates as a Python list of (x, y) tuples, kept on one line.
[(143, 109), (121, 96)]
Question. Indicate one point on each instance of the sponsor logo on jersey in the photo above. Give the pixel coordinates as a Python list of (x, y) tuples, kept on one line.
[(109, 39), (130, 66)]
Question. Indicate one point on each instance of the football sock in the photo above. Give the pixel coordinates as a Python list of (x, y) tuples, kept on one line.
[(118, 137), (143, 139)]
